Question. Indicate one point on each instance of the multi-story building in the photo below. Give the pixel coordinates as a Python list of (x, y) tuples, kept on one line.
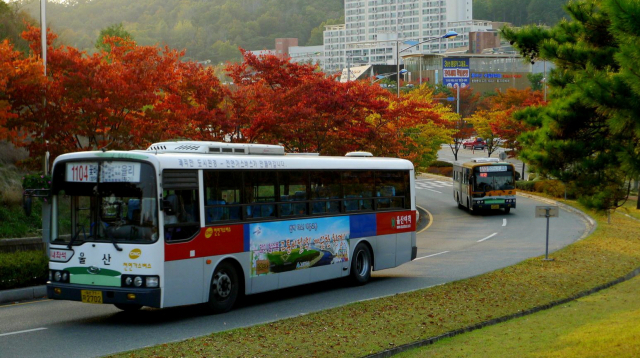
[(376, 30)]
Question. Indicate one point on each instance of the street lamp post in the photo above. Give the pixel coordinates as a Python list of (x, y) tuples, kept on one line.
[(448, 35)]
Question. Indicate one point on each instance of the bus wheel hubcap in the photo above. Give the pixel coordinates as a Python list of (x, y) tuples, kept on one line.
[(361, 264), (222, 284)]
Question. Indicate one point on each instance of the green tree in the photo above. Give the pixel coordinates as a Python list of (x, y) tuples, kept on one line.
[(589, 134), (536, 81), (115, 30)]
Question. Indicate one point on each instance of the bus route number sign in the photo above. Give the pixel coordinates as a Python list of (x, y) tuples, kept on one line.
[(81, 172)]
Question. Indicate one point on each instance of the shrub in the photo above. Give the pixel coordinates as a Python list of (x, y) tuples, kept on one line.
[(23, 269), (517, 175), (441, 164), (533, 176), (524, 185), (447, 171)]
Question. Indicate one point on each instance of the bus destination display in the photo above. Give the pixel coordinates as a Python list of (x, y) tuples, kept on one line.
[(493, 168), (110, 172)]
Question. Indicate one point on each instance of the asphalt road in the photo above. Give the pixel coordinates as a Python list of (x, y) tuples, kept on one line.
[(456, 245)]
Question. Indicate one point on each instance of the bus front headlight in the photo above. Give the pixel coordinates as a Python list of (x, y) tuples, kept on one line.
[(137, 281), (152, 281), (57, 276)]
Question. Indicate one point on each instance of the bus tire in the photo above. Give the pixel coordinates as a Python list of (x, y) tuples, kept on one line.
[(128, 307), (507, 210), (361, 265), (224, 288)]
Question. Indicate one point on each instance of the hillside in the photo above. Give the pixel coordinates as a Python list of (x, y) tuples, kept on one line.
[(213, 29), (207, 29)]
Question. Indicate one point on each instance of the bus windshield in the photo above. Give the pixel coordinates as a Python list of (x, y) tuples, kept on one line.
[(96, 207), (488, 178)]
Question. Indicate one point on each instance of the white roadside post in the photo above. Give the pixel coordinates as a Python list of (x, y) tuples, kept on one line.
[(547, 212)]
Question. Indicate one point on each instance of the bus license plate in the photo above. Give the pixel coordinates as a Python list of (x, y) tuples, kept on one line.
[(495, 206), (91, 296)]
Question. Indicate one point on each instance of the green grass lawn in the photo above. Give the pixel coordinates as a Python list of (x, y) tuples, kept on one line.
[(361, 328), (604, 324)]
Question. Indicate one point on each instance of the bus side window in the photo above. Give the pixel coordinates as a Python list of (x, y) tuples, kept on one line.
[(391, 187), (259, 194), (293, 193), (326, 187), (222, 196)]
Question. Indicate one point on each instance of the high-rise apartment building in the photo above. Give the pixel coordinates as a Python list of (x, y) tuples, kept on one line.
[(373, 29)]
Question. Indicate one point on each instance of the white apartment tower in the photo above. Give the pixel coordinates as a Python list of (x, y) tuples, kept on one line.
[(373, 29)]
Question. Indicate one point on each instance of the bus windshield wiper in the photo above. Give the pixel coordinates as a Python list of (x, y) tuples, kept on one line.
[(106, 231), (76, 235)]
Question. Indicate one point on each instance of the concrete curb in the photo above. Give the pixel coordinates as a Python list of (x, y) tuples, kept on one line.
[(23, 294)]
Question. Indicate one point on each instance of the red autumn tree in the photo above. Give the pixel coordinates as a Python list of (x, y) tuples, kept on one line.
[(17, 74), (124, 98)]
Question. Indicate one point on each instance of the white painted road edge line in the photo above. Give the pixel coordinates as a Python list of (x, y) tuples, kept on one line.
[(18, 332), (504, 222), (424, 257), (488, 237)]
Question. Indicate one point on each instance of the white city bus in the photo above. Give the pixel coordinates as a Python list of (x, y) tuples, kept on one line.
[(203, 222), (484, 183)]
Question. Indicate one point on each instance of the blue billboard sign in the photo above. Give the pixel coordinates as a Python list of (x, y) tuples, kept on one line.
[(455, 72)]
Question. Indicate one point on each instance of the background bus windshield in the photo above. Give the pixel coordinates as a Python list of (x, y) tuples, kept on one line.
[(493, 180)]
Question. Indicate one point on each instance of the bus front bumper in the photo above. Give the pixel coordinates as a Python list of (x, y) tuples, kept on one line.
[(488, 205), (70, 292)]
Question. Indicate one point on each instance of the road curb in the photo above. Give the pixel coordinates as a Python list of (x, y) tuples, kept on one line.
[(23, 294), (591, 224)]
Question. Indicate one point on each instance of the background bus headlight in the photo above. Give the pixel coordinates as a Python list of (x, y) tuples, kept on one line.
[(65, 276), (128, 281), (137, 281), (57, 276), (152, 281)]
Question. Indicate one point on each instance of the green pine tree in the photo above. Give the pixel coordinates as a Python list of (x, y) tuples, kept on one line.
[(589, 135)]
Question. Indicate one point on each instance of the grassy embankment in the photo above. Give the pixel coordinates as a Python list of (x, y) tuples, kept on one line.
[(362, 328)]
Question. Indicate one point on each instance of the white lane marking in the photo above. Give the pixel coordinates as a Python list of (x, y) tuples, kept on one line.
[(488, 237), (439, 192), (424, 257), (504, 222), (18, 332)]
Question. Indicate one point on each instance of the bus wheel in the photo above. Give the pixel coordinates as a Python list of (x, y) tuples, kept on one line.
[(128, 307), (361, 265), (224, 289), (507, 210)]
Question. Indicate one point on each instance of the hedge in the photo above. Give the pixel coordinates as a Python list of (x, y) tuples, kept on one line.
[(23, 269), (441, 164)]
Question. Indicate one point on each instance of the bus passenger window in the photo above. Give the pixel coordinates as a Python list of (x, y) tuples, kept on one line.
[(358, 187), (293, 193), (259, 194), (325, 189), (391, 188), (222, 196)]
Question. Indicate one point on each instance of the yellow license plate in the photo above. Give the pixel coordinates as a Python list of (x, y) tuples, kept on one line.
[(91, 296), (495, 206)]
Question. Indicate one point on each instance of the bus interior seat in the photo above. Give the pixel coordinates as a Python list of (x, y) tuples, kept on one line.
[(214, 214), (132, 206)]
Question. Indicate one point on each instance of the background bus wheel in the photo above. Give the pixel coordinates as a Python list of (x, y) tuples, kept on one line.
[(361, 265), (128, 307), (507, 210), (224, 289)]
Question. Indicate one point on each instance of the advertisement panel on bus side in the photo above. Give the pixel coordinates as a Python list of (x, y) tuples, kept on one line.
[(298, 244)]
